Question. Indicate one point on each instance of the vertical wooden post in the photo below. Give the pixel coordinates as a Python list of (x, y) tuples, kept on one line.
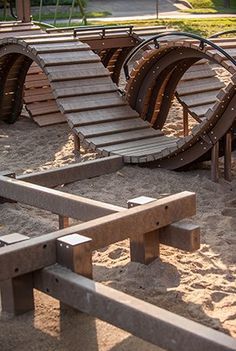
[(76, 143), (144, 249), (17, 293), (227, 156), (215, 162), (23, 10), (185, 121), (63, 222), (74, 252)]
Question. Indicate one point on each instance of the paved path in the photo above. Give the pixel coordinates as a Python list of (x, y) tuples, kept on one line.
[(132, 8), (124, 10)]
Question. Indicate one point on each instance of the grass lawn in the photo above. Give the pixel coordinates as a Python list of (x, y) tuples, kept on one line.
[(211, 6), (204, 27)]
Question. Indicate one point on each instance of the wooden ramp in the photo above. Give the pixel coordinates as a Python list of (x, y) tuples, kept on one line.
[(197, 90), (101, 117)]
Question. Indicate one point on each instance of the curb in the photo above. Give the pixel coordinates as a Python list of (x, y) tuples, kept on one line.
[(185, 3)]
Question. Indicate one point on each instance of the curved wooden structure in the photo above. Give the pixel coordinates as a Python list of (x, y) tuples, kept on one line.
[(96, 111)]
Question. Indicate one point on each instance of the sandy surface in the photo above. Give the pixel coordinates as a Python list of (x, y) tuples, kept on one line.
[(199, 286)]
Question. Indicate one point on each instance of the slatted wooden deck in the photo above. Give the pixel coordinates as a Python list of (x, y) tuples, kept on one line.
[(96, 111)]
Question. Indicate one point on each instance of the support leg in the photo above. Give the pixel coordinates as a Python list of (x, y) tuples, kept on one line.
[(227, 156), (76, 144), (215, 163), (144, 249), (185, 121), (17, 295), (23, 10), (63, 222)]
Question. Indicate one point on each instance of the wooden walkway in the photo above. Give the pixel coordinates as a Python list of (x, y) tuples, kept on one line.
[(77, 87), (98, 114)]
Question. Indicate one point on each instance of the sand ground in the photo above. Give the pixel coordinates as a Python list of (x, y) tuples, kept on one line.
[(200, 286)]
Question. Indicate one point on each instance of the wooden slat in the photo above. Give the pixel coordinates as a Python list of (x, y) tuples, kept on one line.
[(81, 82), (37, 83), (68, 57), (38, 98), (111, 127), (77, 74), (200, 85), (86, 90), (122, 137), (60, 47), (48, 119), (151, 140), (100, 115), (192, 75), (44, 107), (201, 111), (200, 98), (94, 104)]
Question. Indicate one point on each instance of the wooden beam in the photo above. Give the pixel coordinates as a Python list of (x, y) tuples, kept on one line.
[(17, 293), (183, 236), (55, 201), (68, 205), (146, 321), (74, 252), (144, 248), (23, 10), (41, 251), (75, 172)]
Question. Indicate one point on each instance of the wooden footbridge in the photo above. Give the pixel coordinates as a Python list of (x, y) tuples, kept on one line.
[(69, 80)]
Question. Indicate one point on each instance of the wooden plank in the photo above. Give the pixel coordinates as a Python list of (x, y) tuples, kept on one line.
[(37, 83), (207, 72), (146, 150), (38, 98), (86, 90), (80, 82), (200, 85), (60, 47), (111, 127), (68, 57), (37, 91), (39, 252), (44, 107), (93, 104), (100, 115), (185, 236), (146, 321), (132, 144), (74, 67), (49, 119), (93, 97), (200, 98), (201, 111), (123, 137), (55, 201), (78, 74), (75, 172), (31, 77)]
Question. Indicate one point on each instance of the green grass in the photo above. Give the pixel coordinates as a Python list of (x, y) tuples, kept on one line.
[(211, 6), (204, 27)]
